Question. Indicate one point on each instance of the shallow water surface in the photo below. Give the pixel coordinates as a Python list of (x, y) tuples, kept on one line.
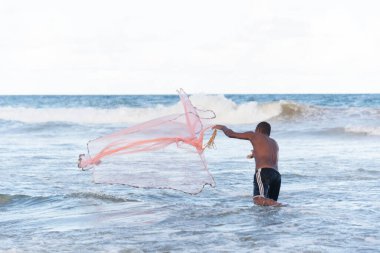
[(329, 162)]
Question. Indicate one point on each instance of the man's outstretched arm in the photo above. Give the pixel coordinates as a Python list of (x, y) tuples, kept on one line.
[(231, 134)]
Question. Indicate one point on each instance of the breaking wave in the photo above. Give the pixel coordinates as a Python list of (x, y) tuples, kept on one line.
[(352, 130), (363, 130), (227, 111)]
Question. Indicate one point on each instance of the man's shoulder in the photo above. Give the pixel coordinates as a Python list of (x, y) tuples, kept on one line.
[(275, 142), (251, 134)]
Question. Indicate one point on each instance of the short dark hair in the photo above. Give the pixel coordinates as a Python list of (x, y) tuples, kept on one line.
[(264, 127)]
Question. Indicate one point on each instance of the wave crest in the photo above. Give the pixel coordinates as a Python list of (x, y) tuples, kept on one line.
[(363, 130), (226, 110), (99, 196), (24, 199)]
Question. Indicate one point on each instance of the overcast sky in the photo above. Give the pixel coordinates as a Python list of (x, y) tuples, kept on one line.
[(209, 46)]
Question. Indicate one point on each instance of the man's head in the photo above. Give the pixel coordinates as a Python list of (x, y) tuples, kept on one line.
[(263, 128)]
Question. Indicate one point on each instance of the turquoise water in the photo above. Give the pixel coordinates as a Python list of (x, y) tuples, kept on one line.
[(329, 162)]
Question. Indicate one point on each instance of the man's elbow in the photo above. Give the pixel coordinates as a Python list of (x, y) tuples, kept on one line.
[(229, 133)]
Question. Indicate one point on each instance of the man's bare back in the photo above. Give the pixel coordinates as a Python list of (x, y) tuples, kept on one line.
[(265, 151)]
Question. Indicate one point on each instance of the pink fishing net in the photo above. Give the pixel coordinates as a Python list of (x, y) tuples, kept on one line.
[(166, 152)]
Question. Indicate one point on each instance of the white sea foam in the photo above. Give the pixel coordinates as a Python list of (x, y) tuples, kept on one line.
[(365, 130), (226, 110)]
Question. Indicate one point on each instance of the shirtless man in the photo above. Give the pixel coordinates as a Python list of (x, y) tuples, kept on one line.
[(267, 179)]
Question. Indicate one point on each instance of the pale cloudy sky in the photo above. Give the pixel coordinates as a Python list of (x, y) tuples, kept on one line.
[(211, 46)]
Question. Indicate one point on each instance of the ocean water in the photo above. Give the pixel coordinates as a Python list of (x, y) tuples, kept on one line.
[(329, 161)]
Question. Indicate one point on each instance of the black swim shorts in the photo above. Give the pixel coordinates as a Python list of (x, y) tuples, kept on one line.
[(267, 183)]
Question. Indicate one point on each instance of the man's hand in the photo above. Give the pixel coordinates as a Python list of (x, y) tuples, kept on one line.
[(218, 127), (231, 134), (251, 155)]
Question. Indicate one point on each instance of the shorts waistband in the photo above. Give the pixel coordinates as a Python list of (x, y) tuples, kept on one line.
[(265, 168)]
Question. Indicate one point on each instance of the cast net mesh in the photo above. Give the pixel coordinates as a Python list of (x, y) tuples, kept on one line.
[(166, 152)]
